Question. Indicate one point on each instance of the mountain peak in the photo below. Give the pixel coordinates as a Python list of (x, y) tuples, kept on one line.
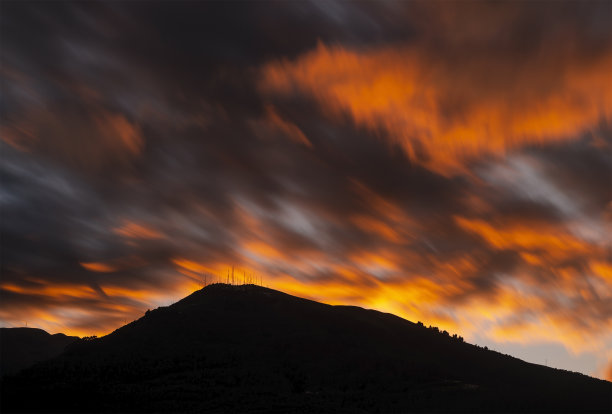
[(247, 347)]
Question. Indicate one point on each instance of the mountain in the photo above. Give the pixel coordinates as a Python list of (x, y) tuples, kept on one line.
[(247, 348), (23, 347)]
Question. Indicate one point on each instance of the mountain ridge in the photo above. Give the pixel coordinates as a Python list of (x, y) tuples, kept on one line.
[(250, 348), (23, 347)]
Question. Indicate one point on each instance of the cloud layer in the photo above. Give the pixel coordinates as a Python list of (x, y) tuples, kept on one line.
[(448, 164)]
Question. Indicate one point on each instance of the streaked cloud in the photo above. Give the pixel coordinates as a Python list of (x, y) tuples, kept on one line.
[(133, 230), (98, 267), (443, 113), (446, 164)]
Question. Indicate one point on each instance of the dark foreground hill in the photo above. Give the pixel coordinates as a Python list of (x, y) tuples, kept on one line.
[(23, 347), (247, 348)]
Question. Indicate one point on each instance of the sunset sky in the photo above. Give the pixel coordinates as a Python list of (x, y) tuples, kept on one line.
[(448, 162)]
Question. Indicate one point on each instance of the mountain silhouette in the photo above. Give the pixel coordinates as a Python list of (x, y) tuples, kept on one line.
[(248, 348), (23, 347)]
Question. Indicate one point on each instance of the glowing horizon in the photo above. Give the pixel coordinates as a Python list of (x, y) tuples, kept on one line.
[(448, 163)]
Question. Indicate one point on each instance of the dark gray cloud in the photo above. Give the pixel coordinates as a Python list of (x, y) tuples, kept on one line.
[(135, 136)]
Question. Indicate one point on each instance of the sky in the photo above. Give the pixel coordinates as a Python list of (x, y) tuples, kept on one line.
[(448, 162)]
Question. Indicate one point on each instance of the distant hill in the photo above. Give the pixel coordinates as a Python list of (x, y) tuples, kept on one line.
[(23, 347), (247, 348)]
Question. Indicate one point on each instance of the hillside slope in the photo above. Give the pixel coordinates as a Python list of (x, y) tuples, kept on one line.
[(248, 348), (23, 347)]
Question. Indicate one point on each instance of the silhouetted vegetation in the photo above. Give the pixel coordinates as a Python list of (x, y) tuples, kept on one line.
[(437, 330), (247, 348)]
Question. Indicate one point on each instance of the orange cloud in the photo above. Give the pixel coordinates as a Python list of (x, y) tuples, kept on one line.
[(133, 230), (427, 299), (552, 328), (551, 241), (58, 291), (274, 122), (263, 250), (377, 227), (59, 133), (126, 133), (200, 268), (444, 114), (98, 267), (608, 374), (421, 287), (78, 309), (602, 269), (382, 207)]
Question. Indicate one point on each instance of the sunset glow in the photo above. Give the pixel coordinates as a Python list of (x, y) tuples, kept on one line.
[(450, 165)]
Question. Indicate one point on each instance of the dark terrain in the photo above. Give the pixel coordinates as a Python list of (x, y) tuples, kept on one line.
[(247, 348), (23, 347)]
